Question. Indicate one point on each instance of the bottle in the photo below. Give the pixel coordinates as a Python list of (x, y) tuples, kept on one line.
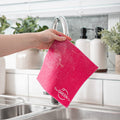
[(83, 43), (98, 51)]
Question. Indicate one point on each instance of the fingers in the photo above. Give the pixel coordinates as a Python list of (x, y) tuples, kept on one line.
[(60, 34), (59, 38)]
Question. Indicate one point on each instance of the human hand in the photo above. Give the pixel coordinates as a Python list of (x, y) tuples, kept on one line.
[(46, 38), (10, 44)]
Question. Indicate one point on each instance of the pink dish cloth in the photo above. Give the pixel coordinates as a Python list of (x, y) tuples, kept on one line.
[(64, 71)]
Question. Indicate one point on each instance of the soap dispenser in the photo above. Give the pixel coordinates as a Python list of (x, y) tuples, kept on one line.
[(98, 51), (83, 43)]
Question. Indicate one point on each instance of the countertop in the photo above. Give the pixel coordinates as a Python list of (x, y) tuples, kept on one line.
[(109, 75)]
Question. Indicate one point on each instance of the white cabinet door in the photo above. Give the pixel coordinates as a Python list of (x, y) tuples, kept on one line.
[(17, 84), (100, 6), (98, 3), (14, 11), (52, 8), (112, 93), (35, 89), (90, 92)]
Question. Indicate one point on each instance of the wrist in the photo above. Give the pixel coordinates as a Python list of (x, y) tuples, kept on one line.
[(32, 40), (36, 39)]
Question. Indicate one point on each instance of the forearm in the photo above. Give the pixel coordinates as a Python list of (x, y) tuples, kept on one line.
[(14, 43), (42, 40)]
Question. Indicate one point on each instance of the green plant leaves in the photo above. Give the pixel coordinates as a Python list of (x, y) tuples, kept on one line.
[(28, 24), (3, 24), (112, 38)]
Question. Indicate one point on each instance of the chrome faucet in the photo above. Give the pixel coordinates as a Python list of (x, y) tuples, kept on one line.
[(63, 22), (66, 32)]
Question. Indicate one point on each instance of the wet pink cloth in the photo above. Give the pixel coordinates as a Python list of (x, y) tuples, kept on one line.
[(64, 71)]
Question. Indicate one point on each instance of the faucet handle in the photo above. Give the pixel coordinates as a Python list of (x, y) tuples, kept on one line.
[(63, 22)]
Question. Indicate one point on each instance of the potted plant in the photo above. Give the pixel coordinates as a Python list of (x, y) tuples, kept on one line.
[(3, 26), (112, 39), (31, 58)]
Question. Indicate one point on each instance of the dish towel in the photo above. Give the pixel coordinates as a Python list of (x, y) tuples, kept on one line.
[(64, 71)]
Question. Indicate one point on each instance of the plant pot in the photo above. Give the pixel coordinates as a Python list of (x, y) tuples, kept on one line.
[(117, 64), (29, 59)]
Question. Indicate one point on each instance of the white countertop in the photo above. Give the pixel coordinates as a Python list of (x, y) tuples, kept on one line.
[(23, 71), (110, 75)]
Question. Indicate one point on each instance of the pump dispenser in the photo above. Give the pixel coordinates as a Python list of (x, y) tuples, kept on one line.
[(83, 43), (97, 30), (83, 33), (98, 51)]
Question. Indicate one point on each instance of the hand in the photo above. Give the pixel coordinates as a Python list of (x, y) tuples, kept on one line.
[(47, 37)]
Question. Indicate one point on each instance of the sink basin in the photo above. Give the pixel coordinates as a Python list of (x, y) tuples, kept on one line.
[(20, 110), (73, 112), (78, 112), (13, 107), (14, 111)]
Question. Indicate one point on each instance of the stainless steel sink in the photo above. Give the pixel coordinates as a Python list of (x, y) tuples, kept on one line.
[(73, 112), (15, 108), (78, 112), (16, 112)]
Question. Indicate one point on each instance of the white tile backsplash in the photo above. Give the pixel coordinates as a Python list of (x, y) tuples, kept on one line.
[(90, 92)]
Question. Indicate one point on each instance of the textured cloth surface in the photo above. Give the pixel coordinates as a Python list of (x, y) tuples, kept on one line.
[(64, 70)]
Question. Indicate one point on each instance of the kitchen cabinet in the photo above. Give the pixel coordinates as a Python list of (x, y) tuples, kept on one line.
[(35, 89), (24, 83), (17, 84), (90, 92), (14, 8), (112, 93), (93, 7), (51, 8), (100, 88)]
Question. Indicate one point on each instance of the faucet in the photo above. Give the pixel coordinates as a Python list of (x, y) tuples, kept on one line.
[(63, 22), (66, 32), (53, 100)]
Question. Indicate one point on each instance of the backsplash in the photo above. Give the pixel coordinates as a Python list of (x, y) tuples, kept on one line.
[(74, 23)]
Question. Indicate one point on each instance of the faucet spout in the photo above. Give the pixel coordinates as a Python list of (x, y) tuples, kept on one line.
[(63, 21)]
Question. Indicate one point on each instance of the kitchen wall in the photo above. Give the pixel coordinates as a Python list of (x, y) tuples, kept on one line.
[(74, 23)]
